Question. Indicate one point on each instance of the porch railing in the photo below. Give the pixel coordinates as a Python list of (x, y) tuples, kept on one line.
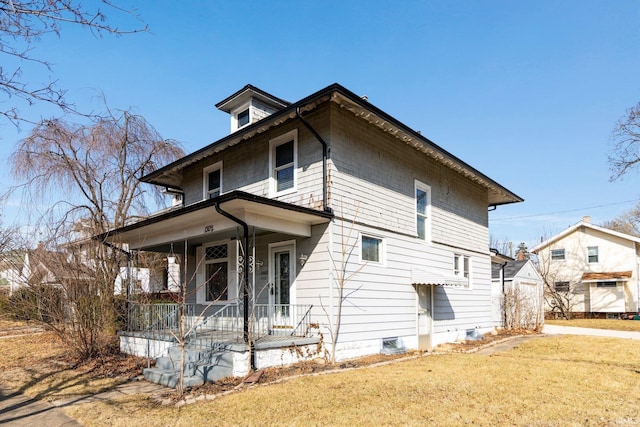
[(223, 326), (157, 318)]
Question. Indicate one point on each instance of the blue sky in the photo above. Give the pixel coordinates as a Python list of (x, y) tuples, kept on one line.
[(527, 92)]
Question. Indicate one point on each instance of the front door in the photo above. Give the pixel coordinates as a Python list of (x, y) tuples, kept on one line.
[(424, 316), (282, 275)]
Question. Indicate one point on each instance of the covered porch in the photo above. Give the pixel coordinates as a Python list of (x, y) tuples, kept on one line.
[(235, 251)]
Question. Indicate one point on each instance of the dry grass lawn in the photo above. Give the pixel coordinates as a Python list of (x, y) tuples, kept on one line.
[(611, 324), (38, 365), (546, 381)]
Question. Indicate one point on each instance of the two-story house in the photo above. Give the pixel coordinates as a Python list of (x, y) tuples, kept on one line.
[(329, 215), (592, 270)]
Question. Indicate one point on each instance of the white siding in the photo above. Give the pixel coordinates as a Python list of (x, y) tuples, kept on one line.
[(615, 254), (374, 174)]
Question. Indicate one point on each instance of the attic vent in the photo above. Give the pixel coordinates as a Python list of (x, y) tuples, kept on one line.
[(392, 346)]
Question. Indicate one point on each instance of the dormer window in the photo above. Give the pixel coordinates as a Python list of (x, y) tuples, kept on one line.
[(243, 118), (212, 181), (250, 105)]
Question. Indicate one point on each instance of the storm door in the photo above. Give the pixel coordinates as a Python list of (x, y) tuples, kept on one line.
[(424, 316), (282, 276)]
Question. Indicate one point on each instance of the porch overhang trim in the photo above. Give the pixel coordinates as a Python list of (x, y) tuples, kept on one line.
[(423, 277), (257, 211), (618, 276)]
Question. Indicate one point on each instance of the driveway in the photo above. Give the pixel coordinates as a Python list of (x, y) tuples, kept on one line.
[(570, 330)]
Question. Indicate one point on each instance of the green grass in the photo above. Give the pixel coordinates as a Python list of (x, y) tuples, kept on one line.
[(567, 380), (610, 324)]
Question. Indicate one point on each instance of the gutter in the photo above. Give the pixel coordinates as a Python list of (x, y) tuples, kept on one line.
[(325, 155), (245, 278)]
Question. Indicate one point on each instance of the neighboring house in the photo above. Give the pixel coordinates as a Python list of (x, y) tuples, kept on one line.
[(303, 195), (19, 269), (593, 269), (149, 280), (517, 293)]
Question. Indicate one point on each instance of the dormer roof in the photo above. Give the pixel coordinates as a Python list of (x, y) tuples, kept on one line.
[(247, 93)]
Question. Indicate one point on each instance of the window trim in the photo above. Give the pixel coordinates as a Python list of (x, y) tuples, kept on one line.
[(201, 271), (273, 144), (467, 262), (564, 254), (205, 179), (563, 283), (597, 254), (381, 249), (234, 114), (418, 185)]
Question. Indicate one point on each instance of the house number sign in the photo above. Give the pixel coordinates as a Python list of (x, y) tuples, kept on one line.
[(208, 228)]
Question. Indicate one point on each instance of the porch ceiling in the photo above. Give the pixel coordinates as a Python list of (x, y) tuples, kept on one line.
[(201, 221)]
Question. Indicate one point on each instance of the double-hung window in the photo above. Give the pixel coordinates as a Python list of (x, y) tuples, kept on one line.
[(212, 181), (284, 162), (423, 200), (561, 286), (592, 254)]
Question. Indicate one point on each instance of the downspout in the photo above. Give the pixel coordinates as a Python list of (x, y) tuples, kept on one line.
[(325, 155), (245, 278), (504, 307)]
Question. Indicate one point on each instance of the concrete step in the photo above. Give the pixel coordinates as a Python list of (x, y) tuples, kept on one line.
[(170, 378), (199, 366)]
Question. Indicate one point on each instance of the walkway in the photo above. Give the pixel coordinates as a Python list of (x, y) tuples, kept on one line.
[(570, 330), (18, 410)]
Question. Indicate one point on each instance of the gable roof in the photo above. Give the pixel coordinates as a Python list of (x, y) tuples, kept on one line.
[(246, 93), (171, 174), (511, 269), (585, 224)]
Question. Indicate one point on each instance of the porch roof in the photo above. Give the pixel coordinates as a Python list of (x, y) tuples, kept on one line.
[(201, 221), (606, 276)]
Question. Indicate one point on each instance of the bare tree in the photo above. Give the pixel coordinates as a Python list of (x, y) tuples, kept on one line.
[(23, 23), (627, 222), (90, 175), (343, 275), (502, 245), (625, 150), (560, 293)]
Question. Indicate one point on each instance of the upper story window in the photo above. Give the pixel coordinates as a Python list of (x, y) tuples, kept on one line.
[(592, 254), (371, 248), (284, 162), (561, 286), (423, 202), (212, 181), (557, 254)]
